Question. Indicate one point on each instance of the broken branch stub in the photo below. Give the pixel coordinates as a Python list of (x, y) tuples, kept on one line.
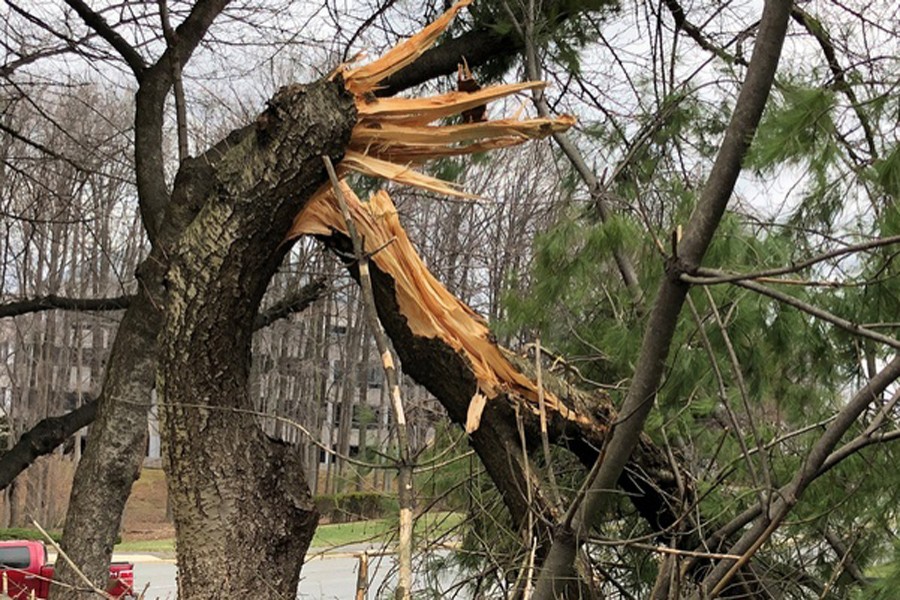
[(393, 133)]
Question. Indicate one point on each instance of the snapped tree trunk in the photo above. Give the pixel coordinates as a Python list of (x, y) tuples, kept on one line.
[(113, 467), (243, 513), (448, 349)]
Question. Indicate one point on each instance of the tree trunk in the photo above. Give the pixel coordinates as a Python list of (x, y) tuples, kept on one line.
[(219, 461), (107, 471)]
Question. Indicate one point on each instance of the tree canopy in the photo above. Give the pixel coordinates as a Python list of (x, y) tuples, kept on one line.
[(695, 272)]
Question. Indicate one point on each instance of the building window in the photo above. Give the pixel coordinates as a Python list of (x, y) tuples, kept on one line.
[(376, 376)]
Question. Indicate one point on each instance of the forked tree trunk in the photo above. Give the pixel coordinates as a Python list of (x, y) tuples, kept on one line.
[(243, 513)]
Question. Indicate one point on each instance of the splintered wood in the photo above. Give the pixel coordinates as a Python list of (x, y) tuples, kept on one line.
[(363, 80), (430, 309), (391, 135)]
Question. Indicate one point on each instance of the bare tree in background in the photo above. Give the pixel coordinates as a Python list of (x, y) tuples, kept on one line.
[(648, 141)]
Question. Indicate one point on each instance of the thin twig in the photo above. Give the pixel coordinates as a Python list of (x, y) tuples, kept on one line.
[(545, 438), (405, 466), (745, 400), (722, 277), (811, 310)]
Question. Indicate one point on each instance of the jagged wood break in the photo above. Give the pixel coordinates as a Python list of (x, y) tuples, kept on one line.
[(443, 343), (447, 347)]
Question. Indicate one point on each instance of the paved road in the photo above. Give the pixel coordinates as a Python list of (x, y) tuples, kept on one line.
[(321, 579)]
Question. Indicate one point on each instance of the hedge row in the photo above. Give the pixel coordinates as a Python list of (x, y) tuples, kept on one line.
[(21, 533)]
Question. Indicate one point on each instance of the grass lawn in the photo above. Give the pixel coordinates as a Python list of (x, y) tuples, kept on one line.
[(139, 546), (430, 525)]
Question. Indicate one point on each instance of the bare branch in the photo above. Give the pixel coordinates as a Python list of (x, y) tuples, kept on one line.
[(477, 47), (11, 66), (292, 304), (597, 190), (846, 556), (815, 311), (406, 497), (53, 302), (49, 433), (42, 439), (192, 30), (696, 34), (37, 146), (96, 22), (178, 84), (793, 267), (287, 306), (150, 100)]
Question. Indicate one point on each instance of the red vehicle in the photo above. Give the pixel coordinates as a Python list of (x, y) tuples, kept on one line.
[(24, 570)]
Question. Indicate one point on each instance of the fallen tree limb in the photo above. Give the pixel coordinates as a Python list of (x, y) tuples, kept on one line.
[(446, 347)]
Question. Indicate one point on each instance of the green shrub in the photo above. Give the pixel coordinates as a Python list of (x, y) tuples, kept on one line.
[(21, 533)]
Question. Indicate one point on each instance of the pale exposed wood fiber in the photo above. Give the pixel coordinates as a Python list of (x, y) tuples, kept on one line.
[(431, 310), (391, 135)]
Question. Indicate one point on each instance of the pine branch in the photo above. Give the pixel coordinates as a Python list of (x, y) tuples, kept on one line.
[(558, 569), (815, 311), (819, 459), (722, 277)]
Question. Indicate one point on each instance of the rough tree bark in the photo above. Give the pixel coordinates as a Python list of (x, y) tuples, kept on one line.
[(218, 460), (121, 422), (113, 456)]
